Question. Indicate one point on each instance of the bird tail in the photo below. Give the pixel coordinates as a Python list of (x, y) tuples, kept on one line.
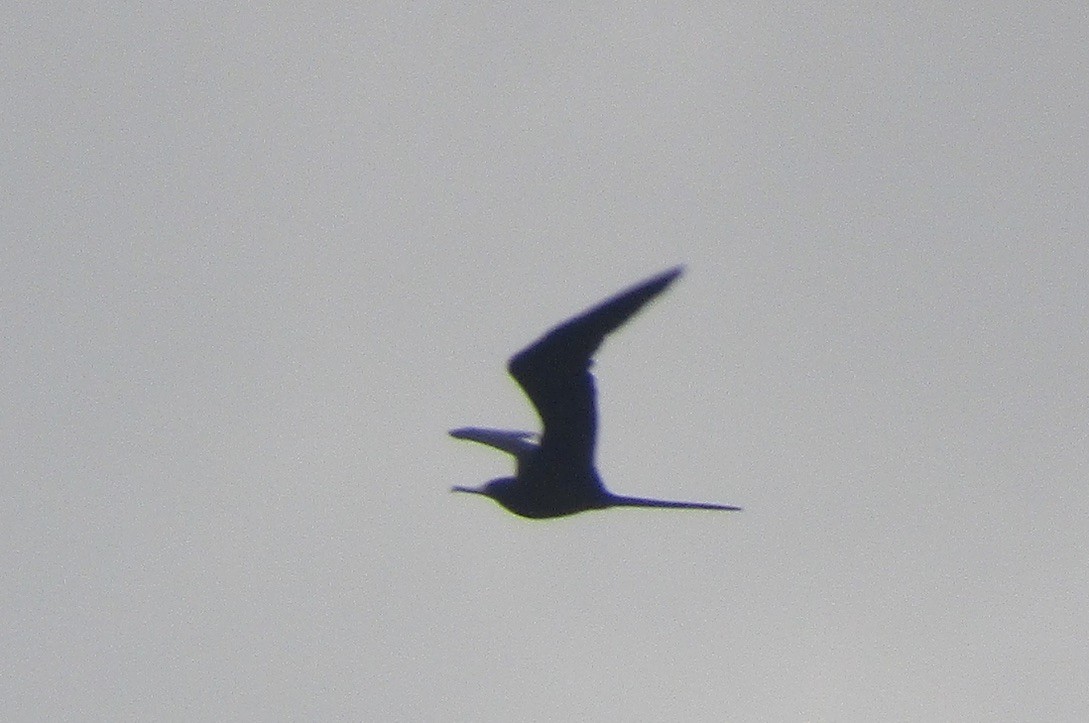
[(618, 501)]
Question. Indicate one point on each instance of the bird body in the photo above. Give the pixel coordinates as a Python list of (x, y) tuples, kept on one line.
[(556, 476)]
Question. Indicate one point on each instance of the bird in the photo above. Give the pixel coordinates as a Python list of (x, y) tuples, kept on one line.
[(555, 473)]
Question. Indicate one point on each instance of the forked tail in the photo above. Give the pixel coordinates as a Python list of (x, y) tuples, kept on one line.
[(619, 501)]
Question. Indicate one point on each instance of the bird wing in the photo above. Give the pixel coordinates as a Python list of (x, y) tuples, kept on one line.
[(554, 371), (511, 442)]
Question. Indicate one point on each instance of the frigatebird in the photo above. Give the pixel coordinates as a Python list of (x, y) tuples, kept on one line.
[(556, 476)]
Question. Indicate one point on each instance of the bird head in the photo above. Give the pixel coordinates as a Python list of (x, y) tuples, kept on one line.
[(510, 494), (494, 489)]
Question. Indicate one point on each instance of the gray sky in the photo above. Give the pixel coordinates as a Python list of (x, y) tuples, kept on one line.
[(256, 265)]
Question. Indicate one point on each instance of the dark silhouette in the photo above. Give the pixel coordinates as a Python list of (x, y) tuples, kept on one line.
[(557, 476)]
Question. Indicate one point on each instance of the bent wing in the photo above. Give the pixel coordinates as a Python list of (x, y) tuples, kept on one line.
[(554, 371), (511, 442)]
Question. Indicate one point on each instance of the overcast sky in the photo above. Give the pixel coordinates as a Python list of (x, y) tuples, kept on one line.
[(256, 265)]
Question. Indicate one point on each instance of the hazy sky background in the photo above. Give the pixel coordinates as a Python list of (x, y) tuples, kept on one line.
[(255, 265)]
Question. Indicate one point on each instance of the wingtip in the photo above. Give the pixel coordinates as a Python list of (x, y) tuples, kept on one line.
[(660, 282), (672, 274)]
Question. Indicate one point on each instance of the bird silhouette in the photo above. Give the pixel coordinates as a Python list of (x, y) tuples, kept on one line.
[(556, 476)]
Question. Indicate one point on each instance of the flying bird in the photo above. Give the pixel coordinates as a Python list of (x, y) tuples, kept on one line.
[(556, 476)]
